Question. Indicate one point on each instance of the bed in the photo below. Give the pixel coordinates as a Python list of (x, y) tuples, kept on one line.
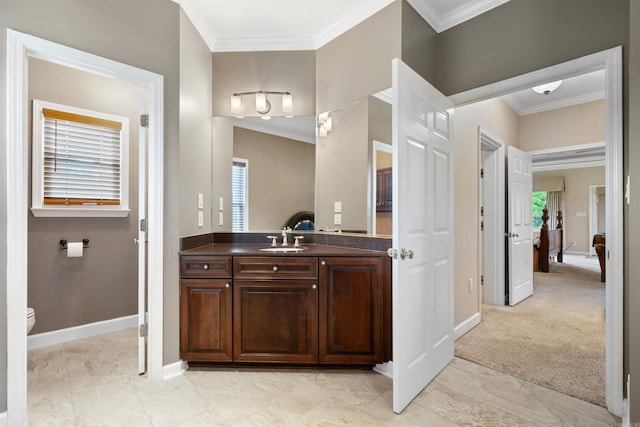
[(548, 246)]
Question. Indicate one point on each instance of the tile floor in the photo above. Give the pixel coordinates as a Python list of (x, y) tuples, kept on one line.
[(92, 382)]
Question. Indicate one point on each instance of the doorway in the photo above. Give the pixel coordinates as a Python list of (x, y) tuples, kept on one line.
[(21, 47), (597, 212), (609, 60), (492, 220)]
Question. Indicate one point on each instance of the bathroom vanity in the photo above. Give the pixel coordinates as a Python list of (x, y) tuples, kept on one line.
[(323, 305)]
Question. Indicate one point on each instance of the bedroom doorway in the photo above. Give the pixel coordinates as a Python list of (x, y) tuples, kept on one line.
[(610, 61)]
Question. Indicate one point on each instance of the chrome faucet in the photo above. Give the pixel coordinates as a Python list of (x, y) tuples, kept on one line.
[(285, 231)]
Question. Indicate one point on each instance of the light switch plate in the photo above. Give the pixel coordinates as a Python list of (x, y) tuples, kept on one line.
[(337, 207), (337, 219), (221, 203), (200, 201)]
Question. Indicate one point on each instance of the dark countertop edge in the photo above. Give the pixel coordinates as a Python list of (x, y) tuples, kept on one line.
[(253, 249), (346, 240)]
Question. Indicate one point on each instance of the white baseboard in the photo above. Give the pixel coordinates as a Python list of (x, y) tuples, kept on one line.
[(173, 370), (466, 326), (3, 419), (385, 369), (78, 332)]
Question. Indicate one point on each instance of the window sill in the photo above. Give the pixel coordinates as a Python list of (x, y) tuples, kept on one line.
[(80, 212)]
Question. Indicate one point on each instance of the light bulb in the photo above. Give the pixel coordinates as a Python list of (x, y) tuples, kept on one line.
[(261, 102), (287, 103), (236, 104)]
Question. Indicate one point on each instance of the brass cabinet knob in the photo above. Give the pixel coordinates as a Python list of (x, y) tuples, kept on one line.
[(275, 268), (206, 266)]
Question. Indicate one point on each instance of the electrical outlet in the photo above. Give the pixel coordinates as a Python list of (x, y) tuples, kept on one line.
[(221, 203), (220, 218), (200, 201), (337, 219), (337, 207), (471, 285), (200, 219)]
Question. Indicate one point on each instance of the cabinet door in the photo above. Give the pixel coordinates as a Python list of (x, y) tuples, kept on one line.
[(276, 321), (205, 320), (351, 310)]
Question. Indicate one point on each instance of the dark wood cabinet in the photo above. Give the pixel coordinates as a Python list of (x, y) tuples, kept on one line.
[(276, 321), (206, 297), (285, 309), (384, 190), (351, 310)]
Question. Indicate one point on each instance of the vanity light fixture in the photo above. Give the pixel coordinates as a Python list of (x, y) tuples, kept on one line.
[(547, 88), (325, 124), (263, 106)]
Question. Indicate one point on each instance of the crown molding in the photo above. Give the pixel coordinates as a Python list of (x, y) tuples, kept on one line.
[(547, 106), (350, 20), (257, 44), (277, 132), (441, 22)]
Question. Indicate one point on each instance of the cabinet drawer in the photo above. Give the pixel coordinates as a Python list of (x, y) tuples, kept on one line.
[(205, 266), (275, 267)]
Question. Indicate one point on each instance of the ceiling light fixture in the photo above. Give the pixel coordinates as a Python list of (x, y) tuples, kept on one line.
[(263, 106), (547, 88)]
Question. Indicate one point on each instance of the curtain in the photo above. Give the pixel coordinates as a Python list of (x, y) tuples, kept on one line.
[(555, 203)]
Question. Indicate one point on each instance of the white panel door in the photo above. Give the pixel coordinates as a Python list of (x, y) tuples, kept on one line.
[(519, 236), (422, 234)]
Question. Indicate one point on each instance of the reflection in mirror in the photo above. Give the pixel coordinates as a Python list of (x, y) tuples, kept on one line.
[(345, 165), (382, 187), (274, 172)]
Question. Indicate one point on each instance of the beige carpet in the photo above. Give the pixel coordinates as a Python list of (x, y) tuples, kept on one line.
[(555, 338)]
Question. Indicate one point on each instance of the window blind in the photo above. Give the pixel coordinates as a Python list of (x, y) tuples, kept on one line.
[(239, 195), (81, 162)]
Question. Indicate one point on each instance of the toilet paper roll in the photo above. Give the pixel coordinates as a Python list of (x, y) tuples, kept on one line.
[(74, 249)]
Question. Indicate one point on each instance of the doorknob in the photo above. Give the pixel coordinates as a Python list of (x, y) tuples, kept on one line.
[(393, 253), (404, 253), (511, 235)]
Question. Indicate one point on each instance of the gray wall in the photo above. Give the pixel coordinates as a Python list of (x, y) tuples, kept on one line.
[(281, 176), (142, 33), (418, 43), (522, 36), (195, 129), (65, 291), (358, 63)]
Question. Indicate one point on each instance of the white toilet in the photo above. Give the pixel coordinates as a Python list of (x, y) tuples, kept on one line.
[(31, 319)]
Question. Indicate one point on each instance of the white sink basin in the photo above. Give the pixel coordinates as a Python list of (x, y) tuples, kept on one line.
[(284, 249)]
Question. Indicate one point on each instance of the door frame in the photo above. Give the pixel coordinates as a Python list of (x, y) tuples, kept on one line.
[(493, 185), (611, 61), (20, 47), (593, 213)]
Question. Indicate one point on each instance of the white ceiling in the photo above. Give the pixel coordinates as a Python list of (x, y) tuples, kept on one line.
[(256, 25)]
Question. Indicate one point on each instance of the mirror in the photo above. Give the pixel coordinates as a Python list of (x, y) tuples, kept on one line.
[(279, 161), (291, 170), (346, 171)]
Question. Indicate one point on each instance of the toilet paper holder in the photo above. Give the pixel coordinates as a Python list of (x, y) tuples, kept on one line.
[(63, 243)]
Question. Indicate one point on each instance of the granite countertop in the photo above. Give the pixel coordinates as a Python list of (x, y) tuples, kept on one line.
[(253, 249)]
